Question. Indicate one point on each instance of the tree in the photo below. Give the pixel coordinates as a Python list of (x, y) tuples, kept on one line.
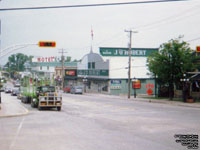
[(171, 62), (16, 62)]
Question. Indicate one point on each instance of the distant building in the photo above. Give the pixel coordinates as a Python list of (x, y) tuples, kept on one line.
[(107, 72)]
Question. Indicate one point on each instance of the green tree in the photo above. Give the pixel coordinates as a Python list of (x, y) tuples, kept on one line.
[(16, 62), (173, 60)]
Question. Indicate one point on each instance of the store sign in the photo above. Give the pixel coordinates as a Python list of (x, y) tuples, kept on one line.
[(137, 52), (115, 84), (149, 88), (70, 72), (46, 59), (136, 84), (93, 72)]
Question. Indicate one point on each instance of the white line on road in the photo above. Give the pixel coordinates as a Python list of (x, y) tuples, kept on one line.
[(17, 134)]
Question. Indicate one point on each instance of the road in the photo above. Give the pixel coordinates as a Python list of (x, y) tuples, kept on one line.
[(98, 122)]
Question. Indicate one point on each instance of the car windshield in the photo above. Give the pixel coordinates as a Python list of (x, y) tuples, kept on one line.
[(78, 87)]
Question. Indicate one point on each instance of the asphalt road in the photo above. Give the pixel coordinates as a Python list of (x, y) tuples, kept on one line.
[(94, 122)]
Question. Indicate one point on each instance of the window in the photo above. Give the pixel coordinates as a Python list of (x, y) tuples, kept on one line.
[(93, 65), (40, 67), (89, 65), (47, 67)]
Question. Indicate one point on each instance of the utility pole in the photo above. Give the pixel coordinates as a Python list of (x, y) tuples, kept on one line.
[(63, 61), (129, 62)]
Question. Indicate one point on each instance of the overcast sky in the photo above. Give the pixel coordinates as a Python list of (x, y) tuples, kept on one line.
[(71, 27)]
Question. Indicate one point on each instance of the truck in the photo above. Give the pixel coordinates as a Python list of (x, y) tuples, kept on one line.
[(47, 97), (40, 93)]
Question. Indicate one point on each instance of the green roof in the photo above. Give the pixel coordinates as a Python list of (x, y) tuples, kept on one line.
[(54, 64)]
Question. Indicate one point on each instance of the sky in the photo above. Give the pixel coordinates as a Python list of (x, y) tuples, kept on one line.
[(155, 24)]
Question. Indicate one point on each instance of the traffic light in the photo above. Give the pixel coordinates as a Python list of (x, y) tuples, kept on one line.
[(47, 44)]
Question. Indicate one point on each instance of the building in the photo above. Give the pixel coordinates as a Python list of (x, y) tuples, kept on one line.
[(107, 72), (51, 67), (93, 73)]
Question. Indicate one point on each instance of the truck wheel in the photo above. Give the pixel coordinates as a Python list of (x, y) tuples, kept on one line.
[(58, 108)]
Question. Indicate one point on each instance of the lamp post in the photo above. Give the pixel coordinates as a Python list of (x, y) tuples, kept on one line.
[(134, 86), (185, 92), (85, 83)]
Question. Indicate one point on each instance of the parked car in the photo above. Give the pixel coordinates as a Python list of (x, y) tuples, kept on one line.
[(76, 90), (67, 88), (15, 92), (8, 90)]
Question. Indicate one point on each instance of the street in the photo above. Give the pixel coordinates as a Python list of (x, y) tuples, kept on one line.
[(99, 122)]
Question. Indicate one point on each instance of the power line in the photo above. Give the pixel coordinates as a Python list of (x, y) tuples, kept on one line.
[(88, 5), (193, 39)]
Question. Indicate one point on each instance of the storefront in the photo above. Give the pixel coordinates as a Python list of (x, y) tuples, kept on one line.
[(143, 82)]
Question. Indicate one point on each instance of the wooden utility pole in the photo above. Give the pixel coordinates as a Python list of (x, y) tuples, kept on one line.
[(63, 61), (129, 62)]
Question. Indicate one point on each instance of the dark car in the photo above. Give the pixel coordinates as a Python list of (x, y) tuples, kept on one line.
[(15, 92)]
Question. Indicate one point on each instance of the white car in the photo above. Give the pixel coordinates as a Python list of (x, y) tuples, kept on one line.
[(76, 90)]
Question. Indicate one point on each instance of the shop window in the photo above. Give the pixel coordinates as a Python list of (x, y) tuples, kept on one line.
[(105, 88), (89, 85)]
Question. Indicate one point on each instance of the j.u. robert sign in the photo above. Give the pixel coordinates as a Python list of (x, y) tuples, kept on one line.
[(137, 52)]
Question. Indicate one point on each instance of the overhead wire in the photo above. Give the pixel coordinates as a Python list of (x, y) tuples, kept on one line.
[(89, 5)]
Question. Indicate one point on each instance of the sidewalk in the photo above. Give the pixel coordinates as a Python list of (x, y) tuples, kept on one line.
[(149, 100), (12, 108)]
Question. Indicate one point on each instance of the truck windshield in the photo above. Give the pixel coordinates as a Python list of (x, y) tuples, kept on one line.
[(48, 89)]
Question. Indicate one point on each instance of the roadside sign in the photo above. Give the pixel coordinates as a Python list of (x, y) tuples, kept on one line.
[(198, 49)]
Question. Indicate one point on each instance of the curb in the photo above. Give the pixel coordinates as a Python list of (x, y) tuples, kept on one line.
[(140, 99), (16, 114), (173, 103)]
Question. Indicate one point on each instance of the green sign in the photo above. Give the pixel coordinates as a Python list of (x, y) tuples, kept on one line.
[(137, 52), (93, 72)]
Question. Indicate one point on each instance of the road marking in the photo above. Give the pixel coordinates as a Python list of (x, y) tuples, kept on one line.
[(17, 134)]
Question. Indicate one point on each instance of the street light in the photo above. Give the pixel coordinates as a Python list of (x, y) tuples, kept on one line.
[(186, 90), (134, 86)]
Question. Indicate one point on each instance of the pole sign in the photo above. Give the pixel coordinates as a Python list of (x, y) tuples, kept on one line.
[(136, 84), (124, 52), (198, 49)]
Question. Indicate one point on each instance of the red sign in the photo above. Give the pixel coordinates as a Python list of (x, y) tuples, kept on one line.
[(136, 84), (46, 59), (198, 49), (149, 91), (70, 73), (149, 85)]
